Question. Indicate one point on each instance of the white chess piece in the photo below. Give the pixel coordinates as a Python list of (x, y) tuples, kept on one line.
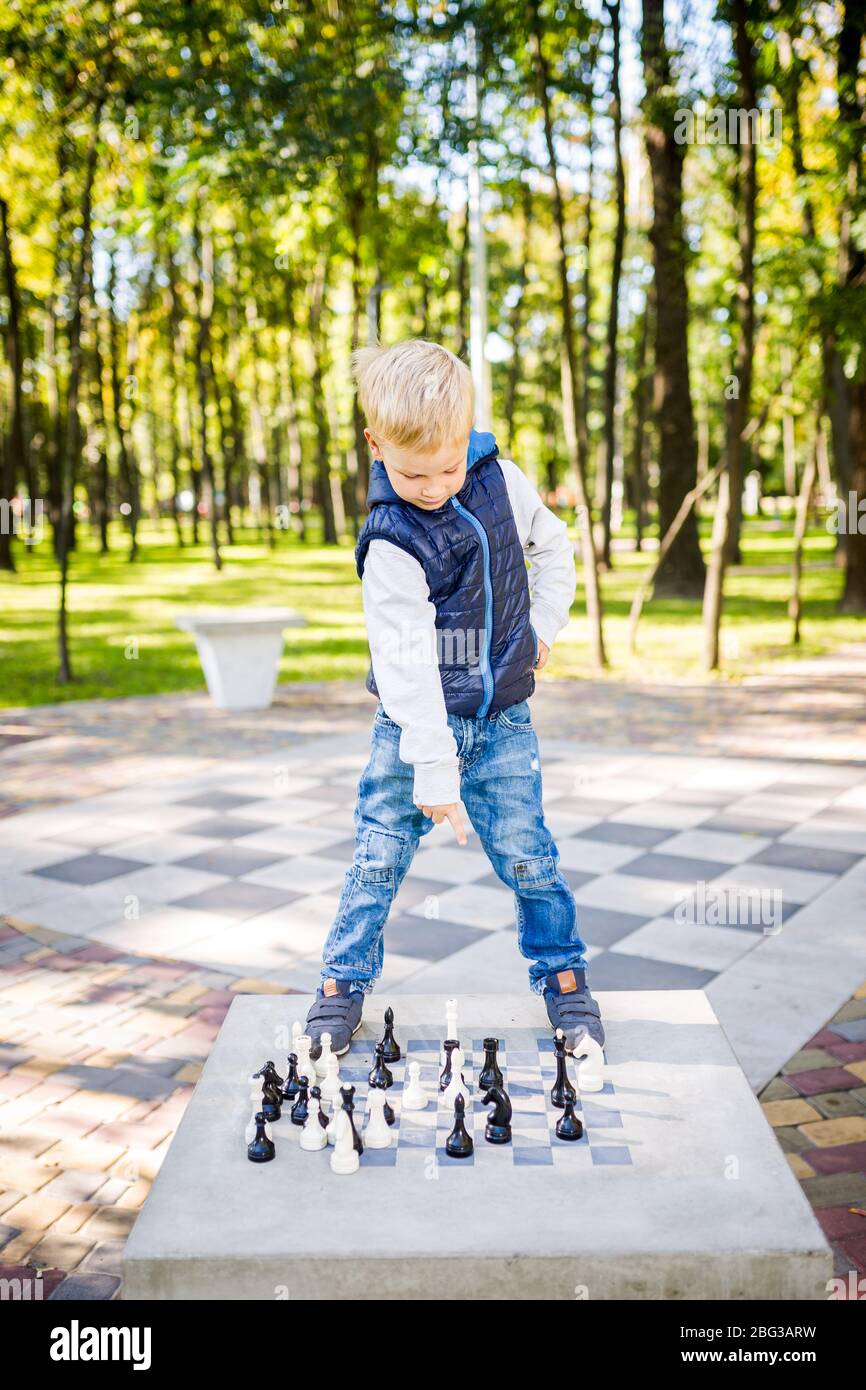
[(377, 1135), (325, 1056), (306, 1067), (414, 1096), (330, 1087), (313, 1137), (344, 1159), (589, 1071), (456, 1087), (450, 1025), (297, 1030), (336, 1108)]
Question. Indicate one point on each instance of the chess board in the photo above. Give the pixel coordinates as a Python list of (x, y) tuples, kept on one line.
[(528, 1067), (642, 1206)]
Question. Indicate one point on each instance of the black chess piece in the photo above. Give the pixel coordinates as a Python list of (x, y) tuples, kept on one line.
[(262, 1149), (348, 1094), (498, 1127), (568, 1126), (273, 1078), (459, 1142), (301, 1107), (446, 1076), (390, 1117), (316, 1094), (379, 1074), (562, 1088), (271, 1108), (490, 1074), (292, 1085), (391, 1048)]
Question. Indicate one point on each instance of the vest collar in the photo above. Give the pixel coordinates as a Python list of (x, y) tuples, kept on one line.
[(482, 445)]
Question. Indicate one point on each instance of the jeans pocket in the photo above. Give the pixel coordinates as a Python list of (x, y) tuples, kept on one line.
[(537, 872), (377, 856), (384, 722), (516, 717)]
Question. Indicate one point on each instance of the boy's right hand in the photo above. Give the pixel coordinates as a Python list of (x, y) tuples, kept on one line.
[(449, 812)]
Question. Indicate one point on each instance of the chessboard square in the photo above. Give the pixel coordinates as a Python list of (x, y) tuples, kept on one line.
[(808, 857), (714, 845), (625, 833), (237, 900), (594, 856), (650, 897), (164, 849), (527, 1117), (600, 927), (761, 827), (405, 935), (379, 1158), (224, 827), (615, 970), (686, 943), (231, 859), (281, 810), (449, 866), (610, 1154), (826, 835), (516, 1059), (531, 1158), (490, 909), (597, 1117), (87, 869), (663, 814), (216, 800), (793, 885), (306, 873), (296, 839), (675, 868)]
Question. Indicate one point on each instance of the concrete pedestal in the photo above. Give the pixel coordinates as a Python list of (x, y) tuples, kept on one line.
[(678, 1188), (240, 649)]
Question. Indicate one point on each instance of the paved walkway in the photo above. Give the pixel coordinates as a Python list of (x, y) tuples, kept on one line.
[(157, 856)]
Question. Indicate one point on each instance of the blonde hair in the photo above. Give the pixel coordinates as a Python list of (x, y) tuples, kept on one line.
[(415, 394)]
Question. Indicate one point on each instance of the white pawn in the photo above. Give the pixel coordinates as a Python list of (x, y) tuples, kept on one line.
[(330, 1087), (313, 1137), (414, 1096), (589, 1072), (337, 1110), (456, 1087), (325, 1056), (377, 1135), (344, 1158), (306, 1067), (297, 1030), (450, 1025)]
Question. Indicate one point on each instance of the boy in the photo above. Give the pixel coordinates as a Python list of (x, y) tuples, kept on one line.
[(454, 642)]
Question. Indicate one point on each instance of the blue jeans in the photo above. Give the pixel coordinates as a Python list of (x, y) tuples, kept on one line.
[(500, 786)]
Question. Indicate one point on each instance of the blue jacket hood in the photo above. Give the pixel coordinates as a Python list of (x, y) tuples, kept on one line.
[(481, 445)]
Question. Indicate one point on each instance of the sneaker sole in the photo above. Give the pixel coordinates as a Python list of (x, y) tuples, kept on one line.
[(341, 1052)]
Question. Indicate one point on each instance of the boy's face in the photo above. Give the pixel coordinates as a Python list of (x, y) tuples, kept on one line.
[(427, 480)]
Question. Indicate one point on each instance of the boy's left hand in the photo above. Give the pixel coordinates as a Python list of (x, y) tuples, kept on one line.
[(543, 654)]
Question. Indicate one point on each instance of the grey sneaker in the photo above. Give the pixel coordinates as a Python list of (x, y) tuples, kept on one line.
[(571, 1007), (336, 1010)]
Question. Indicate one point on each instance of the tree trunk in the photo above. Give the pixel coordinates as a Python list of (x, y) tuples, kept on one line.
[(516, 315), (572, 396), (204, 311), (852, 252), (323, 444), (125, 452), (610, 365), (683, 572), (13, 468)]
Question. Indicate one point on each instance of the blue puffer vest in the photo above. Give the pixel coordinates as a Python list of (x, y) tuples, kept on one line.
[(476, 570)]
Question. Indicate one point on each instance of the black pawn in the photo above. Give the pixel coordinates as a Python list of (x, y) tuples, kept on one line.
[(292, 1085), (391, 1052), (316, 1094), (301, 1107), (459, 1143), (562, 1088), (380, 1075), (568, 1126), (262, 1149), (490, 1073), (348, 1094), (445, 1078)]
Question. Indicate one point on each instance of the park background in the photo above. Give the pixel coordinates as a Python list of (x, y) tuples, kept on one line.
[(643, 226)]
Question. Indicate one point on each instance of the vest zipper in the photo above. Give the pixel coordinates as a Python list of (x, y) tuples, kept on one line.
[(486, 674)]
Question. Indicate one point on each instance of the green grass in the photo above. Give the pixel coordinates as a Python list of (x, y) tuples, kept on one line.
[(117, 609)]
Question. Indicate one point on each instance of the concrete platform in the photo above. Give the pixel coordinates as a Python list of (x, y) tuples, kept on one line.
[(678, 1189)]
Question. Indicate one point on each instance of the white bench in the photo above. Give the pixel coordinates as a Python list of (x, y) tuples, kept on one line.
[(240, 649)]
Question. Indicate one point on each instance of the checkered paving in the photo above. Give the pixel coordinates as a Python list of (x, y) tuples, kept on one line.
[(240, 869), (528, 1067)]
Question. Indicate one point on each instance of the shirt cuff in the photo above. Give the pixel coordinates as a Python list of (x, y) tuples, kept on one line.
[(436, 786), (546, 623)]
